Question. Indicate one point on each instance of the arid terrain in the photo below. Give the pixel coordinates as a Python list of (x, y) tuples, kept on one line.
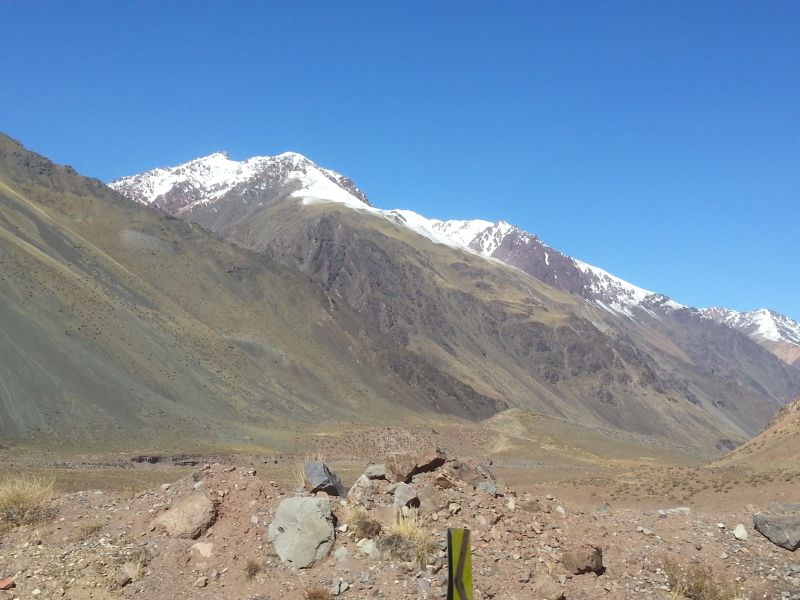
[(653, 513)]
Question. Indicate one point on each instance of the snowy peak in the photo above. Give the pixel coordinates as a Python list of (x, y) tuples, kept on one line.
[(207, 179), (762, 323)]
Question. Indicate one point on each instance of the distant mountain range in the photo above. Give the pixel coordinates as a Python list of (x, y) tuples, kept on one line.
[(263, 295), (180, 190)]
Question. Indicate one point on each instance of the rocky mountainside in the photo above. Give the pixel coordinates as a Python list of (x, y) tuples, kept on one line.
[(778, 333), (627, 358), (179, 190), (123, 329), (778, 446)]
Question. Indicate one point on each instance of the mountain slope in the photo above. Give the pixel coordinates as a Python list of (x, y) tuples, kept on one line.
[(777, 447), (119, 326), (505, 332)]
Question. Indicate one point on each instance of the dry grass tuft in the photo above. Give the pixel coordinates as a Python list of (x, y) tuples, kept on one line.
[(407, 539), (697, 582), (251, 569), (363, 525), (24, 500), (318, 593)]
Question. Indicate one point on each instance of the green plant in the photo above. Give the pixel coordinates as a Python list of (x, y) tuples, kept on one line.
[(24, 499)]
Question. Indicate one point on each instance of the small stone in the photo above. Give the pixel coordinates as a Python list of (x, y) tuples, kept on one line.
[(201, 582), (545, 588), (583, 560), (369, 548), (7, 583), (740, 533), (560, 510), (454, 508), (36, 592), (254, 519), (339, 587)]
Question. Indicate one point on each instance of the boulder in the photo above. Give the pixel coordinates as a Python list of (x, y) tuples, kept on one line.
[(188, 517), (319, 478), (780, 525), (376, 471), (360, 491), (488, 487), (302, 531), (403, 466), (465, 472), (586, 559), (405, 495), (430, 501)]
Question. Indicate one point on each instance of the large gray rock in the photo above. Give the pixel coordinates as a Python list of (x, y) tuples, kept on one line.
[(319, 478), (302, 531), (376, 471), (780, 525), (405, 495), (188, 517), (360, 492)]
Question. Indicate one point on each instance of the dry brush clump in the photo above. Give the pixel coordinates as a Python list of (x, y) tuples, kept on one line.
[(24, 500), (696, 582), (251, 569), (407, 539), (317, 593), (364, 525)]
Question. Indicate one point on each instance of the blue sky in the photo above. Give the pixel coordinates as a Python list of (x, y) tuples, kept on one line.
[(658, 140)]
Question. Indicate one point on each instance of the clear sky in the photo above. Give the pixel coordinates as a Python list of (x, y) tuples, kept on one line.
[(657, 140)]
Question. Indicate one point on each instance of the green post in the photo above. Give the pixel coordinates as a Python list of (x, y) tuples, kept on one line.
[(459, 565)]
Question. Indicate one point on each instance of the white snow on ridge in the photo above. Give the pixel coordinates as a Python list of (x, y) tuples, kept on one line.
[(215, 175), (763, 323)]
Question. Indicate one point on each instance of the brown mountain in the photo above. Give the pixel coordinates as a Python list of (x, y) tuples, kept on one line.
[(493, 335)]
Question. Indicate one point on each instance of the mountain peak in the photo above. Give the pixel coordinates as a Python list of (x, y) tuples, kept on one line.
[(208, 178)]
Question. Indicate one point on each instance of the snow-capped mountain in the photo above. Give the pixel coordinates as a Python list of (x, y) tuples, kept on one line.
[(209, 180), (178, 189), (763, 323)]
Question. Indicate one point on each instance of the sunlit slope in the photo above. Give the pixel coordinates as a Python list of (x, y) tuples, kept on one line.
[(119, 325)]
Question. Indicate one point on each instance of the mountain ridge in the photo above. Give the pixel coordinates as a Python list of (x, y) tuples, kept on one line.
[(501, 240)]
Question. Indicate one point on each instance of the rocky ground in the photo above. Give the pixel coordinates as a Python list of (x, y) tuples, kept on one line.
[(227, 531)]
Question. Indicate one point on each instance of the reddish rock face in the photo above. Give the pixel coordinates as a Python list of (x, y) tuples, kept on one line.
[(403, 466), (7, 583)]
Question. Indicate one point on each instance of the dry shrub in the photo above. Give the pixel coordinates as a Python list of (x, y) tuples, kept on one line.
[(318, 593), (363, 525), (251, 569), (697, 582), (24, 499), (407, 539)]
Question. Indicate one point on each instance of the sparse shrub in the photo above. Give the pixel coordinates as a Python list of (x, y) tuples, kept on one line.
[(696, 582), (318, 593), (363, 525), (251, 569), (89, 530), (24, 500), (407, 539)]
